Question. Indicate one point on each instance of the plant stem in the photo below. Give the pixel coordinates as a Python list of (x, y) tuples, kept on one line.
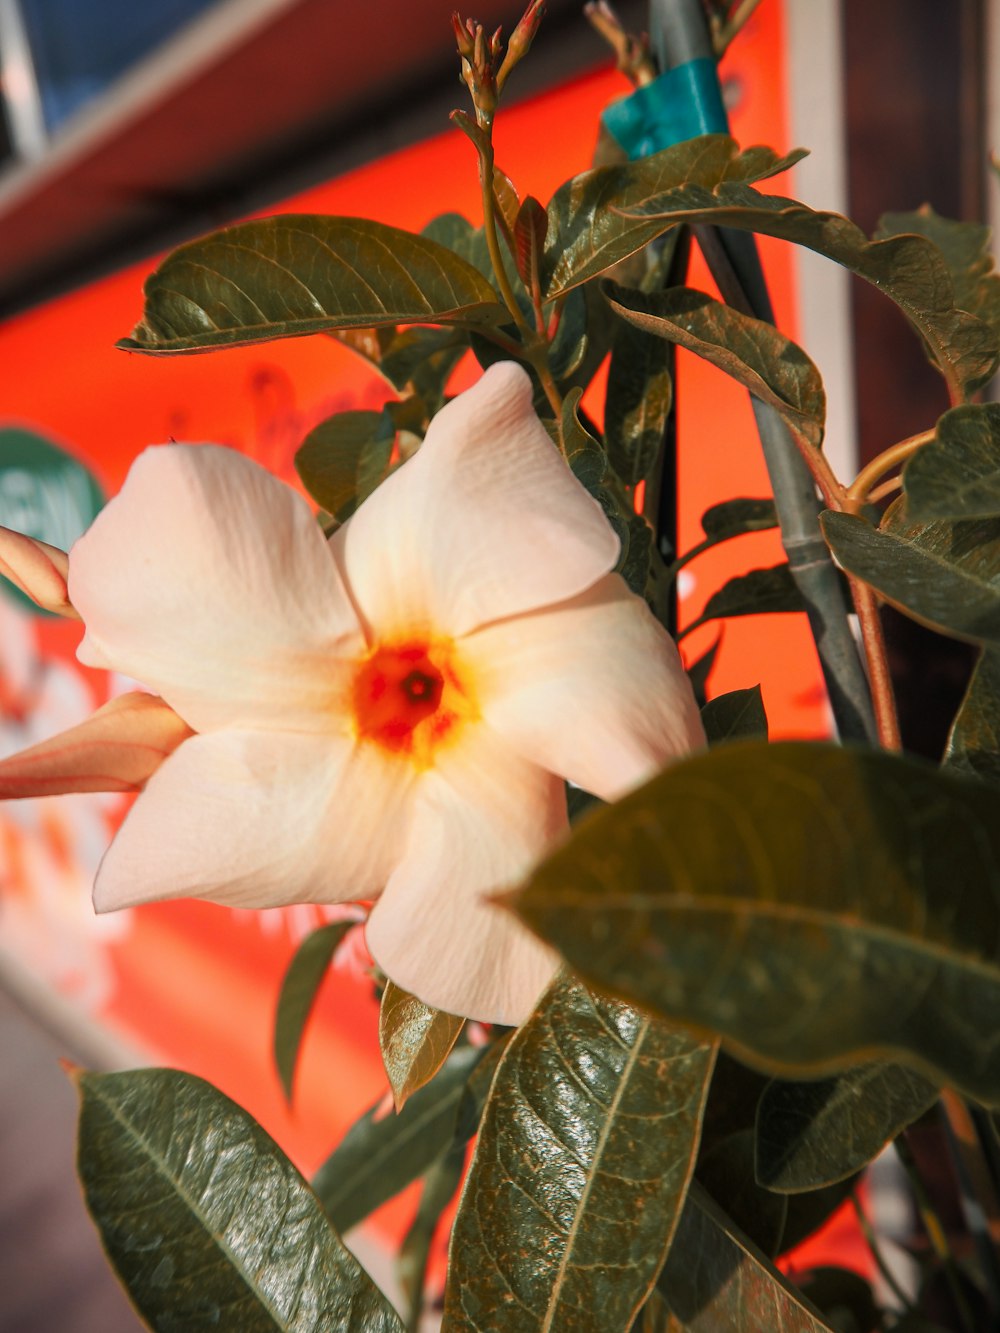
[(740, 15), (538, 355), (490, 226), (858, 491), (876, 1253), (936, 1233), (879, 676), (980, 1202)]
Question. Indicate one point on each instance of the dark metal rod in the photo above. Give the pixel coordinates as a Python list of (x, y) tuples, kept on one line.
[(679, 33)]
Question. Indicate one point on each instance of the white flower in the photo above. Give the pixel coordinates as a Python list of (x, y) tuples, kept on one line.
[(390, 715)]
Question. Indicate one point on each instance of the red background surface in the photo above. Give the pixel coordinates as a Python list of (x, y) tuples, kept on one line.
[(195, 984)]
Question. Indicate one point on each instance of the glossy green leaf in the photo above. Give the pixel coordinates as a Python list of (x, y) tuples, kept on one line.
[(945, 575), (738, 715), (572, 341), (383, 1153), (758, 592), (457, 234), (287, 276), (633, 531), (584, 454), (639, 397), (530, 227), (207, 1222), (421, 359), (507, 200), (343, 459), (585, 1152), (726, 1172), (908, 269), (974, 741), (586, 236), (966, 250), (815, 906), (754, 353), (957, 474), (813, 1134), (415, 1040), (440, 1187), (715, 1279), (299, 989), (732, 518)]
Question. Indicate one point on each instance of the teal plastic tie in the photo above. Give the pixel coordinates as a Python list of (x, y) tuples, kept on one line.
[(681, 104)]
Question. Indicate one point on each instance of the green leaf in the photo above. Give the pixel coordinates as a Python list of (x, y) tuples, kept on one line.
[(586, 236), (974, 741), (379, 1156), (945, 575), (957, 474), (759, 592), (584, 1155), (207, 1222), (639, 397), (507, 200), (965, 247), (440, 1187), (636, 537), (815, 906), (572, 341), (813, 1134), (715, 1278), (584, 454), (732, 518), (299, 989), (530, 227), (753, 352), (415, 1040), (726, 1172), (737, 715), (287, 276), (910, 270), (421, 358), (343, 459)]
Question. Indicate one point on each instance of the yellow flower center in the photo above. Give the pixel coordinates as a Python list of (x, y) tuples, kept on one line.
[(411, 698)]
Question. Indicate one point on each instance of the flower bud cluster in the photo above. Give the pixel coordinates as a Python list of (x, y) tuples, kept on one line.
[(486, 66)]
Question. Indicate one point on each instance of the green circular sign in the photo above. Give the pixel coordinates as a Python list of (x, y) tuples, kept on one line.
[(44, 492)]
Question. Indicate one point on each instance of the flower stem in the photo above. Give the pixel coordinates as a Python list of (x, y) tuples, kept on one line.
[(730, 29), (879, 676), (858, 491), (872, 1242), (486, 162), (936, 1233), (539, 357)]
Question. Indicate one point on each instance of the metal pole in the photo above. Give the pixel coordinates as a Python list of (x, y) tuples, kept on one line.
[(679, 34)]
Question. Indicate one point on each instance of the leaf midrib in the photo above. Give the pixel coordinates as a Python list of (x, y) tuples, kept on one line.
[(159, 1161)]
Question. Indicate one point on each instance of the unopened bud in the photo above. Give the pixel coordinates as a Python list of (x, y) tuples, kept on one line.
[(521, 39)]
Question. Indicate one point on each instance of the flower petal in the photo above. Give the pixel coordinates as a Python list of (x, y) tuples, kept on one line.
[(259, 819), (486, 521), (117, 749), (593, 689), (209, 580), (38, 569), (481, 818)]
